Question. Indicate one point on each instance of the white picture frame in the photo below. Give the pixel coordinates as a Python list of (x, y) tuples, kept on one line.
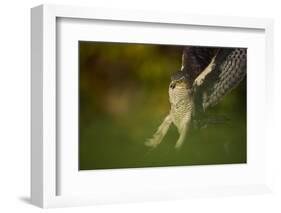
[(45, 157)]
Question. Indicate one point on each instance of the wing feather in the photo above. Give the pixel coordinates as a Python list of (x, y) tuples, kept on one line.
[(226, 70), (196, 59)]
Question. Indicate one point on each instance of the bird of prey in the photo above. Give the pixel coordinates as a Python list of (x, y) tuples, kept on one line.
[(206, 76)]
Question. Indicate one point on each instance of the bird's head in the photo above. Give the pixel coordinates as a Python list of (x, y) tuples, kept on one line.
[(180, 80), (180, 88)]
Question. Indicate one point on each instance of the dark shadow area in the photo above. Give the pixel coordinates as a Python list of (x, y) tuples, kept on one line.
[(26, 200)]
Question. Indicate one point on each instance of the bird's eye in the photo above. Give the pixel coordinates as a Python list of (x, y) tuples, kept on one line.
[(172, 86)]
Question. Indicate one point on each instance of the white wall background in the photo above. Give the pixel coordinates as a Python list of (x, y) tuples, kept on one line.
[(15, 105)]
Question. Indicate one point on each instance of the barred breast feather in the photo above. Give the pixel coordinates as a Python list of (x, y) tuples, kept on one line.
[(181, 105)]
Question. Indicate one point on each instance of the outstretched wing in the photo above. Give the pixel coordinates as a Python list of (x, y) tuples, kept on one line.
[(194, 60), (225, 71)]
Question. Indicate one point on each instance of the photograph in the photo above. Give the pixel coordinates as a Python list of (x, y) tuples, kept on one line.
[(160, 105)]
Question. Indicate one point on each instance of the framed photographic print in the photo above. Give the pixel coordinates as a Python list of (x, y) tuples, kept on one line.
[(133, 106)]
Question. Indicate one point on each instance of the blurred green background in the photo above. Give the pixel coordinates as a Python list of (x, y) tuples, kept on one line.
[(123, 98)]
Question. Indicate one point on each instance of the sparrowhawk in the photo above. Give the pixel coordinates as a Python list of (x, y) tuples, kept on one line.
[(206, 76)]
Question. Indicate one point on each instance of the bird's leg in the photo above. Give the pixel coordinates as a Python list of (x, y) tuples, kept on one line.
[(183, 132), (160, 133)]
